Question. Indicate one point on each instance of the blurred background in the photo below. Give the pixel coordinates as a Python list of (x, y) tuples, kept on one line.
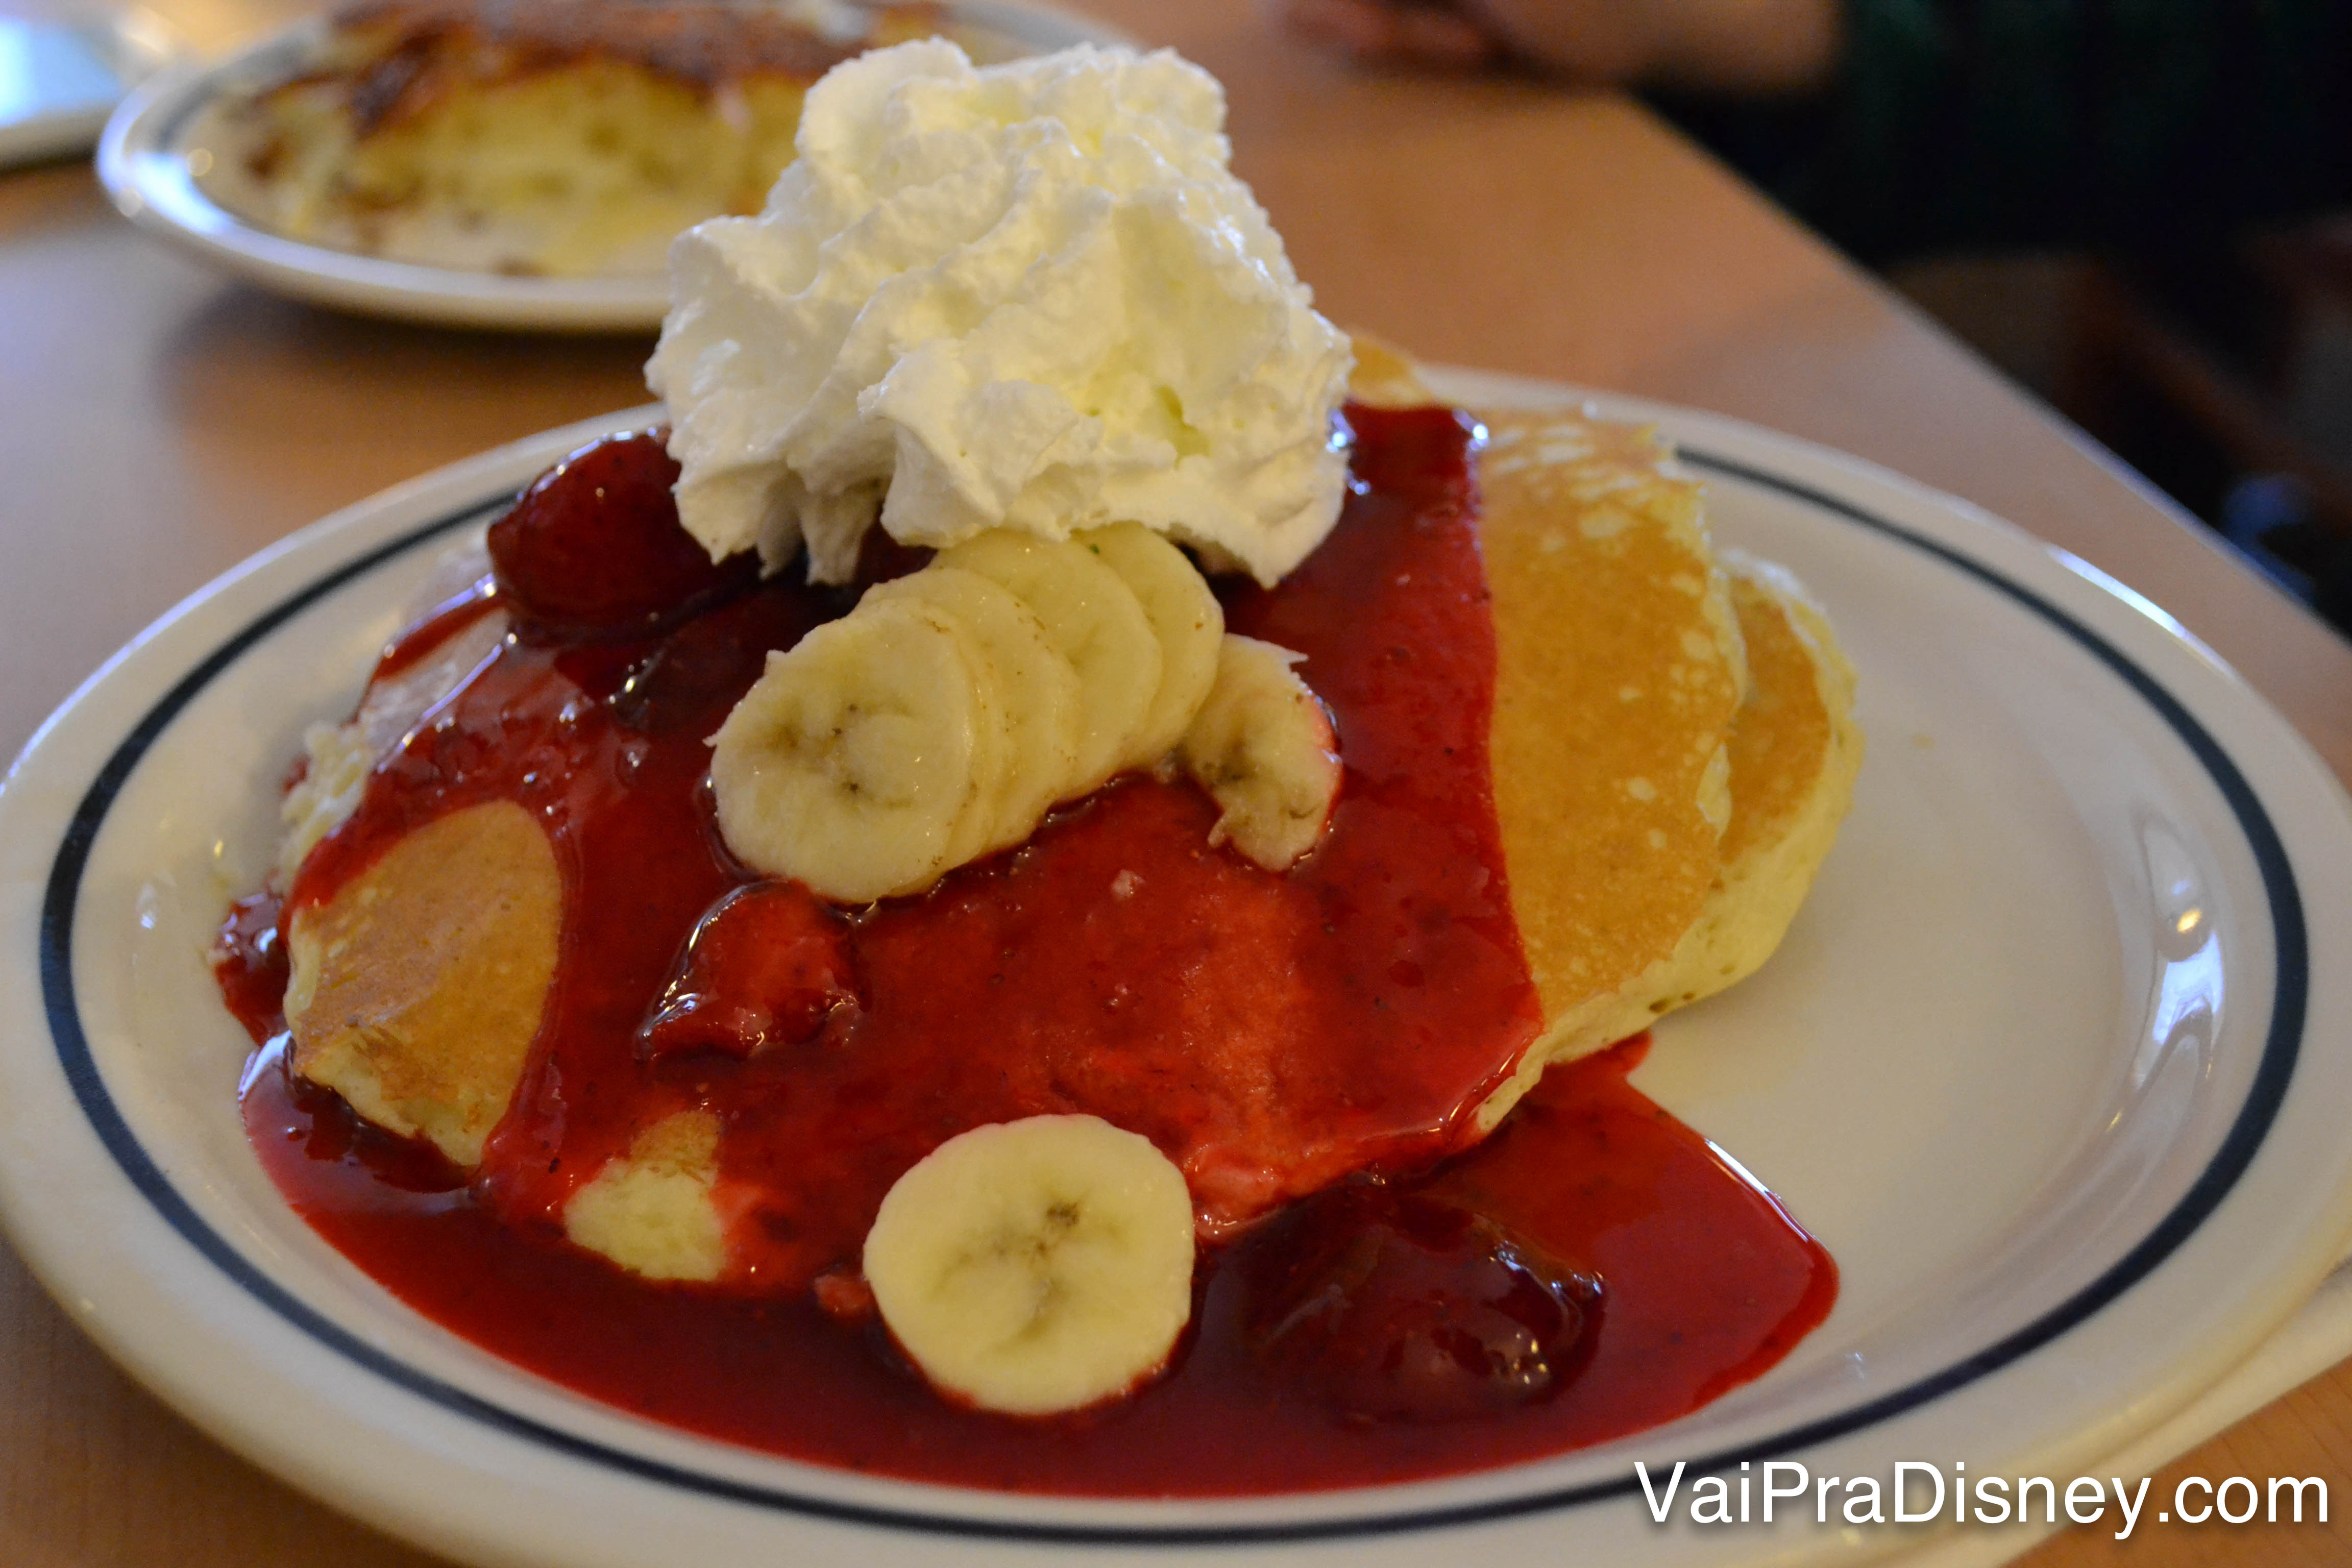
[(2224, 375), (2139, 209)]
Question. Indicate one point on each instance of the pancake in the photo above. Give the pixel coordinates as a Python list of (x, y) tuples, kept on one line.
[(531, 136), (1630, 909), (416, 992), (338, 758), (1795, 751), (1671, 746), (1619, 670), (1627, 908), (653, 1211), (1385, 376)]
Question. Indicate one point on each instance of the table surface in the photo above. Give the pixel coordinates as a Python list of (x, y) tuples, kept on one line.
[(159, 422)]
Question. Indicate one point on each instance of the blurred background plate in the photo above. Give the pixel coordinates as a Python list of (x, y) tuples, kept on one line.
[(60, 80), (154, 154)]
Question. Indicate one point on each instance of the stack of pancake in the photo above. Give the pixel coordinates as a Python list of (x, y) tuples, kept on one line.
[(1675, 742), (1672, 747)]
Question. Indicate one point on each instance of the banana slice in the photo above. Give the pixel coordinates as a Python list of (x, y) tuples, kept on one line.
[(1036, 1265), (1263, 747), (1038, 688), (1184, 615), (974, 832), (1094, 621), (854, 762)]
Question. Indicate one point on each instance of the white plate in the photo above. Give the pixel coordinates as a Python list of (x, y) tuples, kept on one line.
[(2044, 1062), (144, 161), (59, 82)]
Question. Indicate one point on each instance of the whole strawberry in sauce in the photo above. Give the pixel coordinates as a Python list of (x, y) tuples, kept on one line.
[(1398, 1305), (594, 549)]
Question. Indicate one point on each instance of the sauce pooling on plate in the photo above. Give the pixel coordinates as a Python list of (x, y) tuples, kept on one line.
[(1317, 1040)]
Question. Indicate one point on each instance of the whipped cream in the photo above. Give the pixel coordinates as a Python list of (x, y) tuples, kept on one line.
[(1027, 296)]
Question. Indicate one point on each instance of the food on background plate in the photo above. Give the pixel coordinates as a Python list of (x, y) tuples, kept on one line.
[(997, 965), (534, 137)]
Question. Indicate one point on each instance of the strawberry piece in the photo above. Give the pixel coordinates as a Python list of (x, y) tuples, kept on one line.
[(767, 968), (1396, 1305), (594, 549)]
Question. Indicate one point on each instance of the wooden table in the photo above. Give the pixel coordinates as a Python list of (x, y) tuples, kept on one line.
[(159, 422)]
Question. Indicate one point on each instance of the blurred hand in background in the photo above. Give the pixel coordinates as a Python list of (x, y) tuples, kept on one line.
[(1719, 45)]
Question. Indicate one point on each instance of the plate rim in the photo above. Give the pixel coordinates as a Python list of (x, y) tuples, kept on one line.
[(140, 167), (454, 477)]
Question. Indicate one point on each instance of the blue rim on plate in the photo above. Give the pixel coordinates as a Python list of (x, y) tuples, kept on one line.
[(2251, 1124)]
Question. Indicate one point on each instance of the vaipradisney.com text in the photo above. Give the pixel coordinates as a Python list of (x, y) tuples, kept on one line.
[(1917, 1492)]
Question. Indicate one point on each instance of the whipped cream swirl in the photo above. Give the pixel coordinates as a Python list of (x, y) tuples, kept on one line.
[(1030, 296)]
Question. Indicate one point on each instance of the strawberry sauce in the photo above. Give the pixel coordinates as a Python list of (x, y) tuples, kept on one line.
[(1592, 1268)]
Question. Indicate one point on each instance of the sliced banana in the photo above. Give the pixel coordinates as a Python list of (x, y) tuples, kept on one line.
[(974, 833), (1095, 621), (1036, 1265), (1264, 747), (1038, 688), (856, 758), (1184, 615)]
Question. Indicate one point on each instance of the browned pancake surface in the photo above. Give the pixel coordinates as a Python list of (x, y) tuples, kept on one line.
[(417, 989), (422, 49)]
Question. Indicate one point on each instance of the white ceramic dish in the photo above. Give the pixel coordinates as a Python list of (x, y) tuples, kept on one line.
[(153, 146), (59, 82), (2045, 1064)]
